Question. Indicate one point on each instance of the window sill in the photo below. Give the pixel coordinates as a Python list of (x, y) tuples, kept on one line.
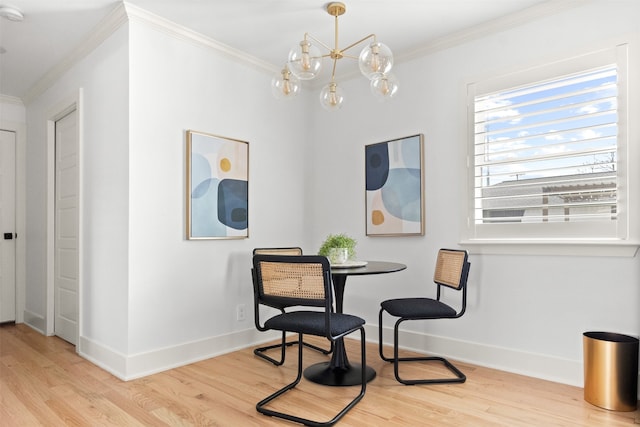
[(613, 248)]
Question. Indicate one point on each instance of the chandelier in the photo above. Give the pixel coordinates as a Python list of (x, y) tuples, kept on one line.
[(305, 62)]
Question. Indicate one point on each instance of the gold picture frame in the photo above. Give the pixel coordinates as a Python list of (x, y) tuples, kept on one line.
[(394, 187), (217, 187)]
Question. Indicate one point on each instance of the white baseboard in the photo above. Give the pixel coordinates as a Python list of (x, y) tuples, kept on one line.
[(556, 369), (35, 321), (541, 366), (142, 364), (103, 356)]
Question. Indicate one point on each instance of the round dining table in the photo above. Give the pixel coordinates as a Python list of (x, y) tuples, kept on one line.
[(339, 371)]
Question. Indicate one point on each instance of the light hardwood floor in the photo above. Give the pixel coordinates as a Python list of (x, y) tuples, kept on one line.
[(44, 382)]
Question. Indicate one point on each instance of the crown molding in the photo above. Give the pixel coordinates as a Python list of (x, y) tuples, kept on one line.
[(112, 22), (6, 99), (494, 26), (180, 32), (121, 14)]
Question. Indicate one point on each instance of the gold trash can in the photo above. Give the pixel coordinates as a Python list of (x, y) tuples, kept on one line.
[(610, 370)]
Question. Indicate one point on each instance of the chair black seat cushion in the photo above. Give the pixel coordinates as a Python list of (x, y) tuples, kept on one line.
[(313, 322), (418, 308)]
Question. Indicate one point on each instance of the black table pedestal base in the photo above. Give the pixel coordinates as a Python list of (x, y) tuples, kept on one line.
[(339, 372), (322, 373)]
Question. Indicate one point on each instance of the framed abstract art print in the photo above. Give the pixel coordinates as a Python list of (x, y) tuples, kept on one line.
[(217, 187), (394, 176)]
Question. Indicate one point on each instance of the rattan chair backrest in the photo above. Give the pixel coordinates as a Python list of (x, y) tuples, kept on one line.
[(278, 251), (451, 268), (304, 279)]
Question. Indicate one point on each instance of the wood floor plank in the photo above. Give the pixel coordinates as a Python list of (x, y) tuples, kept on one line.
[(43, 382), (12, 411)]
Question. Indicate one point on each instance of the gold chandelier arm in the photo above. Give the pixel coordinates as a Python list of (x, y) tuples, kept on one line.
[(333, 72), (307, 35), (326, 55), (360, 41)]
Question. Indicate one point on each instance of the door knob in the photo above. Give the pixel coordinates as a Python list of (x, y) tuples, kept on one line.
[(8, 236)]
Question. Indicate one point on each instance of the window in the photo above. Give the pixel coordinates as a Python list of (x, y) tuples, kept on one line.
[(547, 152)]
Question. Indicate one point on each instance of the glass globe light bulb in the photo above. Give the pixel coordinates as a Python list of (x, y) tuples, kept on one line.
[(375, 59), (331, 97), (384, 86), (305, 60), (285, 85)]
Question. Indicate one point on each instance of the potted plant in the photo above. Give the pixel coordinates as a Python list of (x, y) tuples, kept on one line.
[(338, 241)]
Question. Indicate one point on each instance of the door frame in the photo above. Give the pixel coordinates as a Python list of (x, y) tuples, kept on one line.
[(20, 130), (71, 103)]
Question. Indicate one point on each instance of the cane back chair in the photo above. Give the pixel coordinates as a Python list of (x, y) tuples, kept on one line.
[(304, 281), (262, 351), (452, 271)]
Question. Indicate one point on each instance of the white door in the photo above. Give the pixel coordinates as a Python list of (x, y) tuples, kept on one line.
[(66, 229), (7, 226)]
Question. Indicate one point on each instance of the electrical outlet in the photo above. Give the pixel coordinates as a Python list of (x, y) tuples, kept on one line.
[(241, 312)]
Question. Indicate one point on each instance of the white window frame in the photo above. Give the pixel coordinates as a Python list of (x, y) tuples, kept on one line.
[(606, 238)]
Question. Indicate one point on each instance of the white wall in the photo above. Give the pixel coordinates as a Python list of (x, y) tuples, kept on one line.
[(183, 294), (525, 313), (12, 110), (151, 299), (102, 76)]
